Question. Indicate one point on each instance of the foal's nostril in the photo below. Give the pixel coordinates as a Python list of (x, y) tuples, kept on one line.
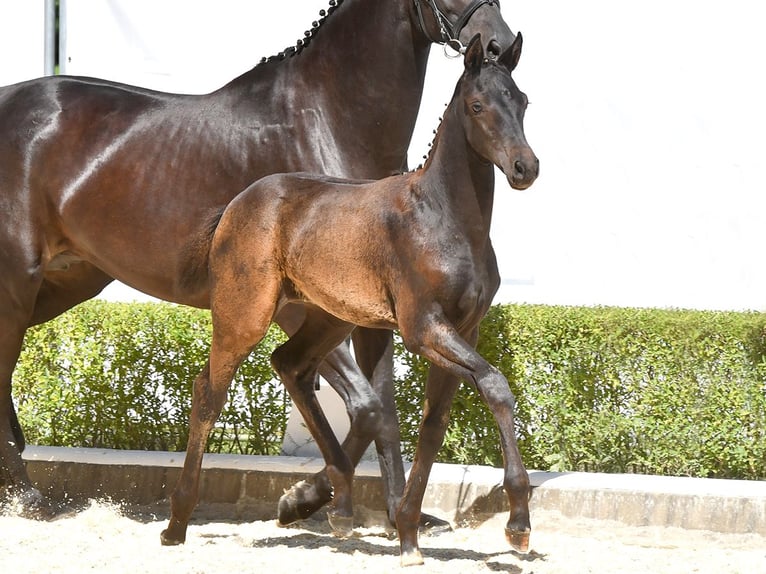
[(493, 49), (519, 170)]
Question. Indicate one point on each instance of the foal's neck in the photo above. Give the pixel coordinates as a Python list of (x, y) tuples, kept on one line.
[(455, 172)]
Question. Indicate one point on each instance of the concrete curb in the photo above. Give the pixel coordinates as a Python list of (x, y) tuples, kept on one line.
[(248, 487)]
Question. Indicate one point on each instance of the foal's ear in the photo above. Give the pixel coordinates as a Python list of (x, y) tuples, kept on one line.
[(474, 54), (510, 58)]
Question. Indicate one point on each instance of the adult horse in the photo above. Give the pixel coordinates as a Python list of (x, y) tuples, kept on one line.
[(103, 181), (410, 251)]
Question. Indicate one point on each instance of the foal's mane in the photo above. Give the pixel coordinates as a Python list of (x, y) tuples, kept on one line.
[(437, 131), (308, 35), (432, 143)]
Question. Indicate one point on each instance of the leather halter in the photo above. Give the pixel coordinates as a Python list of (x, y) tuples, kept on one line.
[(449, 33)]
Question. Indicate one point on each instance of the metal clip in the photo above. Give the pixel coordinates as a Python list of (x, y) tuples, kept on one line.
[(453, 48)]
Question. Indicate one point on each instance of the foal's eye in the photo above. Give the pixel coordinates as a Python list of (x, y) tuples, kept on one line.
[(476, 107)]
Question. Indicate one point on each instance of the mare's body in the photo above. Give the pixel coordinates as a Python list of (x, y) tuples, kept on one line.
[(102, 181)]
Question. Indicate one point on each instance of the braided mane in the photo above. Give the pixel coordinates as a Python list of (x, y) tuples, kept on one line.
[(308, 35)]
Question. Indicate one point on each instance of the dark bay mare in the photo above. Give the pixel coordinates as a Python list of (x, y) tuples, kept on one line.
[(411, 251), (102, 181)]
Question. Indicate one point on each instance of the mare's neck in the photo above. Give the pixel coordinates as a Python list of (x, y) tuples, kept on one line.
[(455, 175), (364, 69)]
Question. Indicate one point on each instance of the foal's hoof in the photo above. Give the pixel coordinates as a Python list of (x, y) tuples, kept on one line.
[(173, 535), (342, 526), (518, 539), (412, 558), (298, 503), (432, 526), (166, 540)]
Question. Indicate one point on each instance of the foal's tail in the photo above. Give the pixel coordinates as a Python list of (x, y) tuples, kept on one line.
[(196, 253)]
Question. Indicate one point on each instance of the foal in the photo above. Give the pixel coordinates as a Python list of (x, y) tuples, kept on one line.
[(410, 251)]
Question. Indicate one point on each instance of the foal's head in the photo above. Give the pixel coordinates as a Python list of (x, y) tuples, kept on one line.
[(493, 113)]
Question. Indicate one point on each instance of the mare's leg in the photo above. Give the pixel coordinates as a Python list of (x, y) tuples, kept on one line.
[(297, 362), (55, 296), (58, 293), (63, 290), (438, 342), (374, 351), (20, 280), (13, 475), (363, 406)]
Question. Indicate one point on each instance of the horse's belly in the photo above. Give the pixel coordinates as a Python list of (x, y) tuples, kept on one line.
[(361, 305)]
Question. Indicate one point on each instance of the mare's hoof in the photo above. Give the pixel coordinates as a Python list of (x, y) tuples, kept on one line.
[(412, 558), (432, 526), (342, 526), (298, 503), (518, 539), (33, 505)]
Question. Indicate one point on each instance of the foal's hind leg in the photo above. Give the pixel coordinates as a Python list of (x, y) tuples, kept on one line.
[(209, 396), (240, 320), (296, 362)]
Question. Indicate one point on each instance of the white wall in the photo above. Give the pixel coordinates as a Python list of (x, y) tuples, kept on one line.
[(22, 40), (184, 46), (648, 119)]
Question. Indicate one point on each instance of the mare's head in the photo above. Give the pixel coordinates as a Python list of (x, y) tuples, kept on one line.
[(493, 112), (455, 22)]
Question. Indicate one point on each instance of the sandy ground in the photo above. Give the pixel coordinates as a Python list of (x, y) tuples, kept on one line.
[(106, 537)]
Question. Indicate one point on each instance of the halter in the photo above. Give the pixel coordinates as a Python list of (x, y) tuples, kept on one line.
[(450, 35)]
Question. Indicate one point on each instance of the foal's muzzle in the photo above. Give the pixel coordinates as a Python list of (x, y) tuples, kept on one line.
[(524, 173)]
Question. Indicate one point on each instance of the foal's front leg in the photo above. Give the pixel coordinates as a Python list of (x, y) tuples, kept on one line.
[(369, 408), (374, 350), (441, 344), (439, 392)]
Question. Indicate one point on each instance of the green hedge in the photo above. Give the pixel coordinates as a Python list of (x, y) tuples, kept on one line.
[(598, 389), (120, 375), (622, 390)]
